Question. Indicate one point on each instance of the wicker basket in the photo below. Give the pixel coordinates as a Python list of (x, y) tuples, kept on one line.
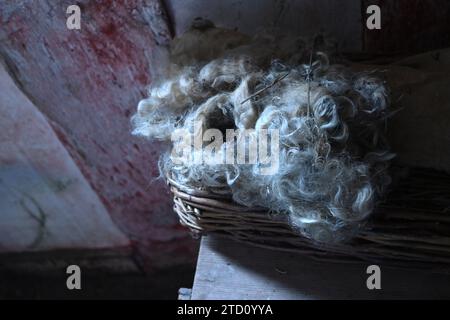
[(410, 229)]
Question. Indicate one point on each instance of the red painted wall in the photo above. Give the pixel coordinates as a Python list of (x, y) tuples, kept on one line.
[(88, 82)]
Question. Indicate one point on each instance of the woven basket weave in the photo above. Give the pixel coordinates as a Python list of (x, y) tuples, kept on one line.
[(411, 228)]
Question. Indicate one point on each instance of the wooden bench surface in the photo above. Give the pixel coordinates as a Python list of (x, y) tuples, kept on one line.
[(230, 270)]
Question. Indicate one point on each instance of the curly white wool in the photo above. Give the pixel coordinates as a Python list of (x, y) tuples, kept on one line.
[(333, 155)]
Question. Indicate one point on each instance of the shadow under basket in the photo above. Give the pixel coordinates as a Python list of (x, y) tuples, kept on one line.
[(410, 229)]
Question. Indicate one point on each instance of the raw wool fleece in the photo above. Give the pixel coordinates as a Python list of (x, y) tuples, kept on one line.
[(333, 156)]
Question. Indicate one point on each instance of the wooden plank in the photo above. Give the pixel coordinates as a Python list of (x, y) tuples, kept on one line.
[(231, 270), (184, 294)]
